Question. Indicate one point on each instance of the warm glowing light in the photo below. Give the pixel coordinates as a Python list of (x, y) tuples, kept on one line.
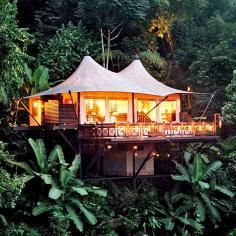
[(95, 110), (109, 146), (157, 155), (168, 111), (153, 154), (220, 122), (188, 89), (218, 153), (136, 154), (144, 106), (36, 110), (35, 104), (118, 110), (168, 155), (135, 147), (68, 98)]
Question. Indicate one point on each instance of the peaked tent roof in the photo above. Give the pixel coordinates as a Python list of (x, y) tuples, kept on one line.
[(138, 74), (92, 77)]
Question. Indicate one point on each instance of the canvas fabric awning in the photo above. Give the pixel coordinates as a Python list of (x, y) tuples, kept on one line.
[(92, 77), (137, 73)]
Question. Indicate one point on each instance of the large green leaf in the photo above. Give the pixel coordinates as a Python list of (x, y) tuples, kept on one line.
[(75, 165), (88, 214), (204, 185), (187, 156), (224, 191), (182, 170), (197, 168), (80, 190), (3, 220), (200, 210), (46, 178), (223, 205), (205, 158), (40, 152), (180, 178), (41, 208), (22, 165), (190, 222), (60, 155), (97, 190), (214, 214), (79, 182), (211, 169), (55, 193), (168, 223), (64, 174), (74, 217), (54, 155), (184, 208), (175, 198)]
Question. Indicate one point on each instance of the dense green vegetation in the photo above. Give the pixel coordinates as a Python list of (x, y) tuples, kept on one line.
[(182, 43)]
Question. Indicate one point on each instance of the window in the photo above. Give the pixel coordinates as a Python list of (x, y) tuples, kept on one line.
[(168, 111), (36, 109), (118, 110), (95, 110), (68, 99), (144, 106)]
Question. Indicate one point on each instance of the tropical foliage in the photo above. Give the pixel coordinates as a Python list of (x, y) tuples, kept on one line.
[(182, 43), (67, 194)]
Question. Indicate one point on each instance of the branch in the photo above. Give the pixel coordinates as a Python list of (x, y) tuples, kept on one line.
[(117, 35), (120, 24)]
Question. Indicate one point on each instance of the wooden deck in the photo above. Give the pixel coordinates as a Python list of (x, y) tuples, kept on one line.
[(139, 132)]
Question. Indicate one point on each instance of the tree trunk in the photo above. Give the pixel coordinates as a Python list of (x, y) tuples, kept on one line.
[(103, 49), (108, 48)]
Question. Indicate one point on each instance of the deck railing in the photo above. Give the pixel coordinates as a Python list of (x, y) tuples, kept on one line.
[(183, 129)]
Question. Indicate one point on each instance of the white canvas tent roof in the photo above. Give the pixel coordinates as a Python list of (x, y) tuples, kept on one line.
[(138, 74), (92, 77)]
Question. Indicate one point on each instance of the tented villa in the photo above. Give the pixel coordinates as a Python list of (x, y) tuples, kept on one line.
[(121, 120)]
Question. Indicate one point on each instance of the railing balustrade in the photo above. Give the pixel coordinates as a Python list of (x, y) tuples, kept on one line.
[(183, 129)]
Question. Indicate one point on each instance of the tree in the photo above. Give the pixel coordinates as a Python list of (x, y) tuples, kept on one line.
[(64, 51), (229, 108), (13, 50), (67, 195), (109, 18), (200, 190)]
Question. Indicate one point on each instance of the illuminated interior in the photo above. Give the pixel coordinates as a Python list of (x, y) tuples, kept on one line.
[(118, 110), (95, 110), (144, 106), (66, 98), (167, 111), (36, 106)]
